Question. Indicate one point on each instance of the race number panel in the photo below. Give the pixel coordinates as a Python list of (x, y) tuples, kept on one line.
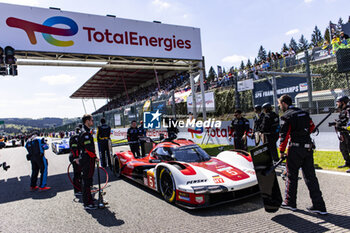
[(268, 184)]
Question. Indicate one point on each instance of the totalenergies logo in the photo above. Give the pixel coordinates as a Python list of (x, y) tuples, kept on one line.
[(46, 29), (194, 132)]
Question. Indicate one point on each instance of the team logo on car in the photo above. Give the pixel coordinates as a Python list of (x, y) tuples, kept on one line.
[(151, 120)]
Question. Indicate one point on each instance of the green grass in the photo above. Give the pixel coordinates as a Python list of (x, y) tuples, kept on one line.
[(327, 160)]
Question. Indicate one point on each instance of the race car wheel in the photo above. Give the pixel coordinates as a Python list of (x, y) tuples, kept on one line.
[(167, 185), (116, 168)]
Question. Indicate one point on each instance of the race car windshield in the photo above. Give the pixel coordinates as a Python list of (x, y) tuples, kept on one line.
[(190, 154)]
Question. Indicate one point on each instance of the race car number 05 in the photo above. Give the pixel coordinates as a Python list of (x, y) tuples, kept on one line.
[(151, 181)]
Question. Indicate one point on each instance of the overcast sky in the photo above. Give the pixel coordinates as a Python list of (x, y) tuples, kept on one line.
[(231, 30)]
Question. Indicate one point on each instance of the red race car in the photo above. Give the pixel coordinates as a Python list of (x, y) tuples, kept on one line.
[(186, 175)]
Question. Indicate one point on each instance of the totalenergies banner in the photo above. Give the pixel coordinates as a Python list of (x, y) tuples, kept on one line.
[(210, 135), (48, 30)]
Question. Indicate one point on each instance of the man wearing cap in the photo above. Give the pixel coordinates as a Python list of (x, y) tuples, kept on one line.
[(103, 137), (239, 131), (341, 123), (258, 118), (270, 128), (296, 129), (87, 160)]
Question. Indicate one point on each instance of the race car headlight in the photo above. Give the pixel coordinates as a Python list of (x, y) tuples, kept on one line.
[(200, 189), (208, 189), (214, 189)]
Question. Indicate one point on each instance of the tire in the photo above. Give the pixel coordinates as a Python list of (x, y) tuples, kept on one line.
[(116, 167), (167, 185)]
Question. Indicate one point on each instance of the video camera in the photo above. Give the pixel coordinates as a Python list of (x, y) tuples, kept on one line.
[(4, 166), (331, 124)]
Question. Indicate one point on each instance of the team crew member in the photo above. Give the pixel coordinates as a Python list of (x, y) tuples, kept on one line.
[(239, 130), (297, 126), (172, 130), (270, 128), (341, 123), (258, 118), (87, 161), (103, 137), (142, 133), (74, 159), (36, 147), (133, 135)]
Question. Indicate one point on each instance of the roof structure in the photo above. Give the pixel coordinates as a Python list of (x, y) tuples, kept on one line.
[(118, 79)]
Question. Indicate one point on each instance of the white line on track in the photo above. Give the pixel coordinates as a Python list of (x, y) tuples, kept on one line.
[(333, 172)]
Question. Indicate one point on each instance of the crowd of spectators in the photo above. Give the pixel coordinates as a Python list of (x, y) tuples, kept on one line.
[(276, 61), (340, 41), (154, 92), (273, 61)]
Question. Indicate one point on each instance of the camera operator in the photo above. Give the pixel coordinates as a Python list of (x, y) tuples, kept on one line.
[(340, 126)]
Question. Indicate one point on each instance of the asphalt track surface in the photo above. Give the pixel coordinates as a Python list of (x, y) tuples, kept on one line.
[(133, 208)]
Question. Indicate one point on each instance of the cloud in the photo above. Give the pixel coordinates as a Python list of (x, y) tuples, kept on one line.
[(292, 32), (308, 1), (161, 4), (61, 79), (22, 2), (45, 94), (234, 59)]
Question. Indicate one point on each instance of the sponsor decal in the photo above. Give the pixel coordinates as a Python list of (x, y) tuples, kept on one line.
[(250, 172), (122, 160), (46, 29), (211, 163), (196, 181), (218, 180), (258, 152), (184, 196), (196, 132), (199, 199)]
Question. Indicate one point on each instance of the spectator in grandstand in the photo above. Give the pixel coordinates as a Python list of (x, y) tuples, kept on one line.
[(343, 36), (292, 56), (190, 116), (335, 44), (286, 55)]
